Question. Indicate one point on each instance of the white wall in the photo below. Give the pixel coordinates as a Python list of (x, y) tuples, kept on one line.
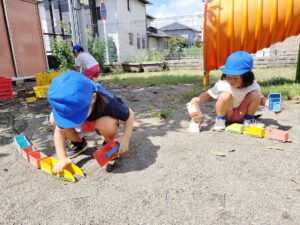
[(133, 21)]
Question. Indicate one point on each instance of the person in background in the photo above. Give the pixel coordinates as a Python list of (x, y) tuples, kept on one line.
[(75, 99), (237, 94), (86, 63)]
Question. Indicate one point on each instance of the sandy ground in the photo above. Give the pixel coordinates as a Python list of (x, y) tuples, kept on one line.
[(168, 176)]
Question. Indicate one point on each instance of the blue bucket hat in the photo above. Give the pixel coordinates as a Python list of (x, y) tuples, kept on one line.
[(70, 96), (76, 48), (238, 63)]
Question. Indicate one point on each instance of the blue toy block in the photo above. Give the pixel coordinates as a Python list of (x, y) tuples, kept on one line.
[(19, 138), (22, 144), (275, 102)]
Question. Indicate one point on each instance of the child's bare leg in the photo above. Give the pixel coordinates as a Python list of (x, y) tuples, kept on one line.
[(224, 103), (70, 134), (108, 127), (255, 100)]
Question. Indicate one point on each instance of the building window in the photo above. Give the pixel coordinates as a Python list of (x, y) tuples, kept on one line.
[(138, 42), (165, 44), (143, 43), (128, 5), (130, 38)]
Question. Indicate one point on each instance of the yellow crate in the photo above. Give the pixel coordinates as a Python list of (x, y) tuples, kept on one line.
[(42, 79), (55, 74), (41, 91)]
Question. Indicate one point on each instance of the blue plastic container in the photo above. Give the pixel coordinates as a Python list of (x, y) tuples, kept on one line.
[(275, 103)]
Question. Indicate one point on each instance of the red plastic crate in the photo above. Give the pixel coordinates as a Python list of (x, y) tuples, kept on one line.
[(6, 90)]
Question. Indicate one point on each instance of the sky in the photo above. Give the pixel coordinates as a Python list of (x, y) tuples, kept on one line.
[(168, 8)]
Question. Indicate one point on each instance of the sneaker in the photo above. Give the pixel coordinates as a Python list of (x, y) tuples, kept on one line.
[(253, 122), (219, 125), (76, 148)]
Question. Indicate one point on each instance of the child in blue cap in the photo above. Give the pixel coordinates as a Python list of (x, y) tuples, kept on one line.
[(75, 99), (86, 63), (238, 94)]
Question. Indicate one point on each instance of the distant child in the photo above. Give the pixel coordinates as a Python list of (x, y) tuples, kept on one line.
[(75, 99), (237, 93), (86, 63)]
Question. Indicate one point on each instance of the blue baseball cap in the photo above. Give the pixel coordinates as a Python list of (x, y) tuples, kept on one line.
[(76, 48), (70, 95), (238, 63)]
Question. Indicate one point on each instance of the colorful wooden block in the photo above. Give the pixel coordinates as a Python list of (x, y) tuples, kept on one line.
[(235, 128), (275, 103), (107, 153), (22, 144), (255, 131), (194, 110), (26, 151), (75, 170), (277, 135), (48, 163), (18, 138), (36, 157)]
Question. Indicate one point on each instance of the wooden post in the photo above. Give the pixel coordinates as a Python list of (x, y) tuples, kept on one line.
[(205, 80)]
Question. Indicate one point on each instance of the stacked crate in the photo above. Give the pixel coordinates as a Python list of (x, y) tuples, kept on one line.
[(43, 81), (6, 89)]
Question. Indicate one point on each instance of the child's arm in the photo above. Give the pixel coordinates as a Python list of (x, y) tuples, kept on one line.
[(264, 102), (60, 143), (128, 127), (201, 98)]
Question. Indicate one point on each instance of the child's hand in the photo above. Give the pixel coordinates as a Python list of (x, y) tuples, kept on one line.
[(194, 100), (124, 144), (62, 163)]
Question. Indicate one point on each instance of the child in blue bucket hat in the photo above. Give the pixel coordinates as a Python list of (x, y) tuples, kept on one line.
[(76, 99), (238, 94), (86, 63)]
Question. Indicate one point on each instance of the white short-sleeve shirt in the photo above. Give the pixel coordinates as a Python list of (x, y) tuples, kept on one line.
[(85, 60), (238, 94)]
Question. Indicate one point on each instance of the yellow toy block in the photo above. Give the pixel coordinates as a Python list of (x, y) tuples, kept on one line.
[(75, 170), (68, 173), (31, 99), (255, 131)]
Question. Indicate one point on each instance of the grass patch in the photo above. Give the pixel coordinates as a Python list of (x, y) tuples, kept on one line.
[(287, 87), (160, 113), (271, 80)]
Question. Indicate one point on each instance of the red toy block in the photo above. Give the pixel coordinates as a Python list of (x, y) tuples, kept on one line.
[(88, 126), (107, 152), (36, 157), (277, 135), (26, 151)]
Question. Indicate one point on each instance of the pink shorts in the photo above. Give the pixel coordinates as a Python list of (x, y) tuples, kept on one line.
[(92, 72), (237, 114)]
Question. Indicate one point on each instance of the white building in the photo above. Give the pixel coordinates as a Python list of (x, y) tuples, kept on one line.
[(126, 24)]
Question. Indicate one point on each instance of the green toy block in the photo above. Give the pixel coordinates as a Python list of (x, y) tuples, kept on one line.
[(235, 128)]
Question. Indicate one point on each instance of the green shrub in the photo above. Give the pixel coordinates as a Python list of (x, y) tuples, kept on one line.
[(62, 56)]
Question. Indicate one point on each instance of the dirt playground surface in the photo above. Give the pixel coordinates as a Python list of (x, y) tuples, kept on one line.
[(168, 176)]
